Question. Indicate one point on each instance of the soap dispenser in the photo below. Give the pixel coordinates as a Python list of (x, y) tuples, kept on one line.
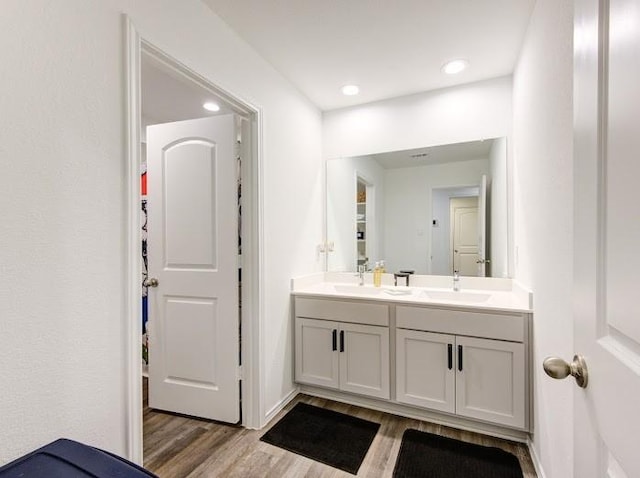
[(377, 275)]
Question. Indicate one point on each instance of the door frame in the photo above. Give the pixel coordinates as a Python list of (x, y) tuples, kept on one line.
[(371, 231), (452, 228), (432, 213), (252, 402)]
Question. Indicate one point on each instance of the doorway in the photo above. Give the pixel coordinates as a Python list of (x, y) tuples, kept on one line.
[(366, 232), (161, 102), (442, 248), (463, 214)]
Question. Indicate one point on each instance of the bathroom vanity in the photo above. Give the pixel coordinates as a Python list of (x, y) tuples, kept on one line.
[(457, 358)]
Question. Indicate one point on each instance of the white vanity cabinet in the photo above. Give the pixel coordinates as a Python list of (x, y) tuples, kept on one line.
[(317, 362), (453, 364), (425, 374), (468, 363), (490, 382), (343, 345)]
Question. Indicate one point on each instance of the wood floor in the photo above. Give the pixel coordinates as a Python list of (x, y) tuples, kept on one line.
[(180, 447)]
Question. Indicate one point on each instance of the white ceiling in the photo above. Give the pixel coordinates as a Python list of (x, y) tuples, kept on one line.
[(446, 153), (388, 48), (169, 96)]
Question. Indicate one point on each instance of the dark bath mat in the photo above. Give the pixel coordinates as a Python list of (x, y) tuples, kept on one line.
[(427, 455), (329, 437)]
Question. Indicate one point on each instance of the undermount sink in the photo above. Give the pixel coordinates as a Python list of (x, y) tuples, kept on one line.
[(356, 289), (371, 290), (455, 296), (398, 291), (448, 295)]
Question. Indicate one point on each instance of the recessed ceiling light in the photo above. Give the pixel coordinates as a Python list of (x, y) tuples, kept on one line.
[(211, 106), (454, 66), (350, 90)]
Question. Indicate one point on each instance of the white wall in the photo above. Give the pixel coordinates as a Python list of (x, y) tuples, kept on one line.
[(62, 234), (408, 209), (450, 115), (542, 146)]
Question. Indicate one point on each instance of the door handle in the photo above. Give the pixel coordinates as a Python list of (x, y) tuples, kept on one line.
[(342, 341), (151, 282), (334, 340), (460, 358), (450, 356), (557, 368)]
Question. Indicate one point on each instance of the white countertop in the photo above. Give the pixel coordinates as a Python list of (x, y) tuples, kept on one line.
[(475, 293)]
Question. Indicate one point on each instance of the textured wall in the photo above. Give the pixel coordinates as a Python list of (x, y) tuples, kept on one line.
[(62, 232), (542, 142), (61, 236)]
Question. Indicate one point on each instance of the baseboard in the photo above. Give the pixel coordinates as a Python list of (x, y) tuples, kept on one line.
[(418, 414), (277, 408), (535, 460), (410, 412)]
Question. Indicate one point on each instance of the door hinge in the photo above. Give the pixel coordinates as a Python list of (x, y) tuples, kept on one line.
[(240, 373)]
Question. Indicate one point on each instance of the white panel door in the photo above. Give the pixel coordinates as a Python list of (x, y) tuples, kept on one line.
[(425, 369), (192, 251), (364, 359), (464, 235), (316, 350), (482, 228), (606, 237), (490, 380)]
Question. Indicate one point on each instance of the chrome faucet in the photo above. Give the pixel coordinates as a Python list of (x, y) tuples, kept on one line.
[(456, 281), (361, 269)]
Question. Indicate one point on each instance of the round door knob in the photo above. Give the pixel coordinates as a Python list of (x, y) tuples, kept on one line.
[(151, 282), (557, 368)]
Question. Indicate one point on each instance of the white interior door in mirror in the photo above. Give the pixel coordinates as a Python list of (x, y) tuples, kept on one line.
[(482, 228), (464, 235), (192, 251)]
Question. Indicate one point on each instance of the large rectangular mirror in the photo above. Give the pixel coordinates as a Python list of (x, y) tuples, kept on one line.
[(432, 210)]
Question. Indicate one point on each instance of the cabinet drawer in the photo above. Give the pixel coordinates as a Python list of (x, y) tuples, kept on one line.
[(492, 325), (342, 311)]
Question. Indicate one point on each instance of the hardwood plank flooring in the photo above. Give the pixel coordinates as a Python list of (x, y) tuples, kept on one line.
[(179, 447)]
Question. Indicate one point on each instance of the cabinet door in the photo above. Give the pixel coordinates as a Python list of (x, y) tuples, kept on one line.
[(425, 369), (317, 352), (490, 381), (364, 359)]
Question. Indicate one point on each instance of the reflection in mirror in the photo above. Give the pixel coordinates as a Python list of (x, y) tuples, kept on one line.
[(432, 210)]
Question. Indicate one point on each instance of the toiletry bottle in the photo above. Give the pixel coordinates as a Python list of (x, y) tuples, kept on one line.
[(377, 275), (382, 271)]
